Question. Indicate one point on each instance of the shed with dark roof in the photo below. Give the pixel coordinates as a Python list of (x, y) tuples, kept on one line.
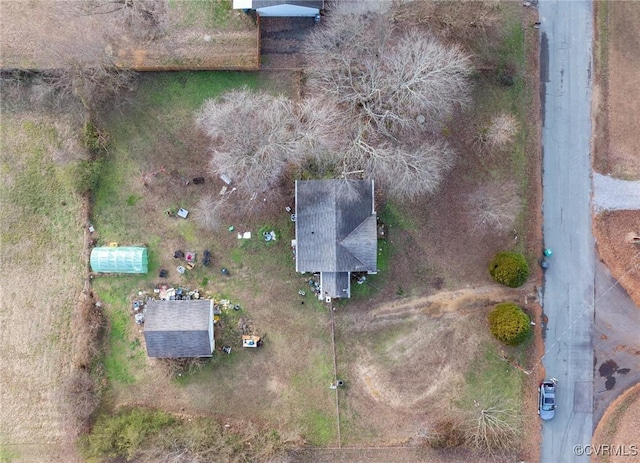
[(181, 328), (336, 232)]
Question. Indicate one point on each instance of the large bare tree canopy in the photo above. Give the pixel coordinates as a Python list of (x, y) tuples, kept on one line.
[(396, 90), (396, 81), (377, 103), (255, 136)]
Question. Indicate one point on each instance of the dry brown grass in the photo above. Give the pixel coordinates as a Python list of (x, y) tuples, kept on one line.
[(620, 96), (618, 427), (397, 368), (53, 39), (622, 256), (42, 272), (493, 207)]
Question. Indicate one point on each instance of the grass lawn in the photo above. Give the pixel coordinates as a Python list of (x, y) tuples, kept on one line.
[(283, 385), (42, 267)]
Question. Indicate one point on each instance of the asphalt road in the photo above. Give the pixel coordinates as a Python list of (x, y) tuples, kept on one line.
[(616, 342), (566, 38)]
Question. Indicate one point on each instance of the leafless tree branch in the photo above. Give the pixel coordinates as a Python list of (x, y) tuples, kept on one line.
[(145, 19), (254, 136), (493, 206)]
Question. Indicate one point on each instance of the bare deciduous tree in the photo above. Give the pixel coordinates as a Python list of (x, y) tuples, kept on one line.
[(79, 400), (404, 171), (255, 136), (493, 429), (493, 206), (395, 90), (394, 81), (499, 134), (321, 127), (380, 99), (145, 19), (91, 85), (208, 212), (407, 173)]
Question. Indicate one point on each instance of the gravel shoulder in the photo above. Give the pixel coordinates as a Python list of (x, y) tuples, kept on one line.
[(615, 194)]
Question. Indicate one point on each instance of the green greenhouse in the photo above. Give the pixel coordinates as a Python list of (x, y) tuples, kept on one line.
[(119, 260)]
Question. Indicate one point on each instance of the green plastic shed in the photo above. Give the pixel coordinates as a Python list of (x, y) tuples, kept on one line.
[(119, 260)]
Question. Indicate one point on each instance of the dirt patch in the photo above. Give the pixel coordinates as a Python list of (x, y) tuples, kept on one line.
[(399, 379), (398, 367), (618, 428), (621, 254)]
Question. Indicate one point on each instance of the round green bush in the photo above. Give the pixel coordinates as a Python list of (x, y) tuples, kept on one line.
[(509, 268), (509, 323)]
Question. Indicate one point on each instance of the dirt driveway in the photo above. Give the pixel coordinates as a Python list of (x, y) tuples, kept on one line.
[(281, 41)]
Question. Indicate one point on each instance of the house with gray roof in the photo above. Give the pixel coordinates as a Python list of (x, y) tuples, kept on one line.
[(181, 328), (336, 232), (281, 8)]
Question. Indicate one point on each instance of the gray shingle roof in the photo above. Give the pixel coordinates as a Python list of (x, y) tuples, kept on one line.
[(319, 4), (174, 329), (335, 284), (335, 226)]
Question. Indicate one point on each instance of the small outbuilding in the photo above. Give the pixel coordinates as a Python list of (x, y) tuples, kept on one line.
[(179, 328), (119, 260), (281, 8)]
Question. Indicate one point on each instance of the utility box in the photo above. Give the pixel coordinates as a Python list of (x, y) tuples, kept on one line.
[(251, 341)]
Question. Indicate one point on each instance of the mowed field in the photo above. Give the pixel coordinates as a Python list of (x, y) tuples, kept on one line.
[(623, 95), (184, 34), (42, 270)]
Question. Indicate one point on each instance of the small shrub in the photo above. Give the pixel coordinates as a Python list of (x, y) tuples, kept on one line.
[(88, 324), (448, 434), (94, 139), (86, 175), (509, 268), (493, 207), (79, 400), (497, 135), (509, 323), (502, 131), (208, 213), (122, 435)]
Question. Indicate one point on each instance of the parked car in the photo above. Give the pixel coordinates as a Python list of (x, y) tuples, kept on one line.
[(547, 399)]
